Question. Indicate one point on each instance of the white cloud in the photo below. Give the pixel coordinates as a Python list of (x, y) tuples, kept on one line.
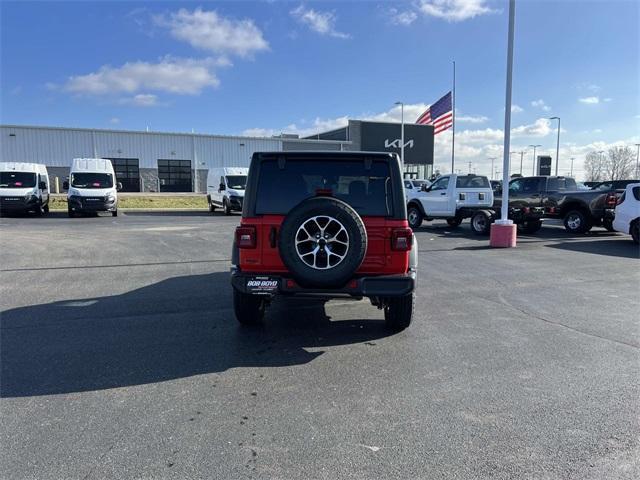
[(591, 87), (207, 30), (471, 119), (454, 10), (141, 100), (540, 128), (607, 99), (406, 17), (516, 109), (181, 76), (589, 100), (541, 105), (320, 22), (114, 121)]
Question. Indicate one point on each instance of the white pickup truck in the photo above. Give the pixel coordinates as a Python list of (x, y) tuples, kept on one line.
[(451, 197)]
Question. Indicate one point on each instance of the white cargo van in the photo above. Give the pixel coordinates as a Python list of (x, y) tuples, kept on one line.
[(225, 188), (24, 187), (92, 187)]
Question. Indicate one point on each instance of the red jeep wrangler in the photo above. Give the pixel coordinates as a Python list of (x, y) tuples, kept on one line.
[(328, 225)]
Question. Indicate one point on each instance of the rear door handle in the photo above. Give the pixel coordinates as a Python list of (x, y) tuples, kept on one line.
[(273, 233), (443, 193)]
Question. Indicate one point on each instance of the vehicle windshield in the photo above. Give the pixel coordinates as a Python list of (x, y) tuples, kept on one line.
[(472, 181), (91, 180), (368, 191), (17, 180), (237, 182), (419, 183)]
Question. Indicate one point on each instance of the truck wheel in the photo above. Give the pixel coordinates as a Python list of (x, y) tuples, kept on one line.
[(481, 223), (226, 207), (635, 232), (414, 216), (454, 222), (608, 224), (249, 309), (530, 226), (398, 312), (39, 210), (71, 213), (46, 208), (322, 242), (576, 221), (212, 208), (114, 213)]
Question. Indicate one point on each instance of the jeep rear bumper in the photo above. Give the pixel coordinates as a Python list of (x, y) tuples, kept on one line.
[(371, 286)]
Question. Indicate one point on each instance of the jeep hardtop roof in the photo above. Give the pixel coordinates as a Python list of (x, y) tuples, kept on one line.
[(397, 190)]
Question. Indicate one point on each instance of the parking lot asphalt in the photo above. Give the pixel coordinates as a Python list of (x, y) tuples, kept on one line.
[(120, 358)]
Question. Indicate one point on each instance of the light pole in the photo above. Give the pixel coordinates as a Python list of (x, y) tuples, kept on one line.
[(571, 171), (469, 167), (521, 155), (638, 161), (401, 136), (510, 153), (492, 160), (534, 157), (557, 143)]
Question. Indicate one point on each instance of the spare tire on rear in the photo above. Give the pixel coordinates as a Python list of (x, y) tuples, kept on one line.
[(322, 242)]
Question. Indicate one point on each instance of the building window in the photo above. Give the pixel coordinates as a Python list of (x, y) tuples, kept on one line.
[(175, 175), (127, 172)]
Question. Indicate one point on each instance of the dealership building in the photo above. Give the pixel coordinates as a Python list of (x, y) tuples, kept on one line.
[(178, 162)]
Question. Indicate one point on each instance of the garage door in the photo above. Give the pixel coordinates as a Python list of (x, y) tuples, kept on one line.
[(174, 175), (127, 173)]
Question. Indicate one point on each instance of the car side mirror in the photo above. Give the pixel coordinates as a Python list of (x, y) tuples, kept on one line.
[(42, 185), (222, 187), (65, 185), (119, 186), (426, 188)]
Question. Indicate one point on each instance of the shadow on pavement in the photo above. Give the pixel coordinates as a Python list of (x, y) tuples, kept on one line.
[(614, 248), (176, 328), (172, 213)]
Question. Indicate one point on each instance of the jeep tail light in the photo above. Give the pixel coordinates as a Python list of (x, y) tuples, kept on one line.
[(401, 239), (611, 200), (246, 237)]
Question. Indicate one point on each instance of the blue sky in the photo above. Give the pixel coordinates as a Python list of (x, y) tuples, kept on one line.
[(264, 67)]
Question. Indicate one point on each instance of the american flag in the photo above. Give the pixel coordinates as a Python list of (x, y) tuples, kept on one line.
[(440, 115)]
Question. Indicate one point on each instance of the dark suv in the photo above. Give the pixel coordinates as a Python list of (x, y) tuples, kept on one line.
[(327, 225)]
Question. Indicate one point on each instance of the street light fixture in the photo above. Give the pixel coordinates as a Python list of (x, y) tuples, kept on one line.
[(557, 143), (521, 155), (401, 136), (492, 160), (534, 157)]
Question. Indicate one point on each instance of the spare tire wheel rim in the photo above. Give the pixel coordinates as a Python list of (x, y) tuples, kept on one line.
[(322, 242)]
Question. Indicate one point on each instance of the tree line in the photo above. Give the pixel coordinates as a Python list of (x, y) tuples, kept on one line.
[(616, 164)]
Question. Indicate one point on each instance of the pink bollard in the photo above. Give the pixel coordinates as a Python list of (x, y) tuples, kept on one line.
[(503, 235)]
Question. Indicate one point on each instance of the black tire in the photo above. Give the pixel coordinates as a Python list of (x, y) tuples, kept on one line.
[(249, 309), (398, 312), (46, 208), (356, 243), (635, 232), (212, 208), (608, 224), (481, 223), (577, 221), (454, 222), (226, 207), (530, 226), (39, 211), (71, 213), (114, 213), (414, 216)]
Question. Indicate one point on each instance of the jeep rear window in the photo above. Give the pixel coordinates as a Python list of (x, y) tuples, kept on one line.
[(472, 181), (368, 191)]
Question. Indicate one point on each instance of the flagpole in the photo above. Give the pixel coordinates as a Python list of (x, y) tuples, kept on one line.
[(453, 124)]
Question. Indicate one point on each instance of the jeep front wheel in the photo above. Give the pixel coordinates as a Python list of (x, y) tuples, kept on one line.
[(249, 309), (398, 312)]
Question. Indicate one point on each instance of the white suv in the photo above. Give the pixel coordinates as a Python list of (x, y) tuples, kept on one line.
[(627, 216)]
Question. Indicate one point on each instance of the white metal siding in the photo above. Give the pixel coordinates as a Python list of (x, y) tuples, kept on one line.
[(56, 147)]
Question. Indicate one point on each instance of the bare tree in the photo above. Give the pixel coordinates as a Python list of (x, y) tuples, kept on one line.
[(594, 167), (619, 163)]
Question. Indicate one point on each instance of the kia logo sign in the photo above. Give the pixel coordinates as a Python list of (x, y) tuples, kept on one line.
[(397, 143)]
